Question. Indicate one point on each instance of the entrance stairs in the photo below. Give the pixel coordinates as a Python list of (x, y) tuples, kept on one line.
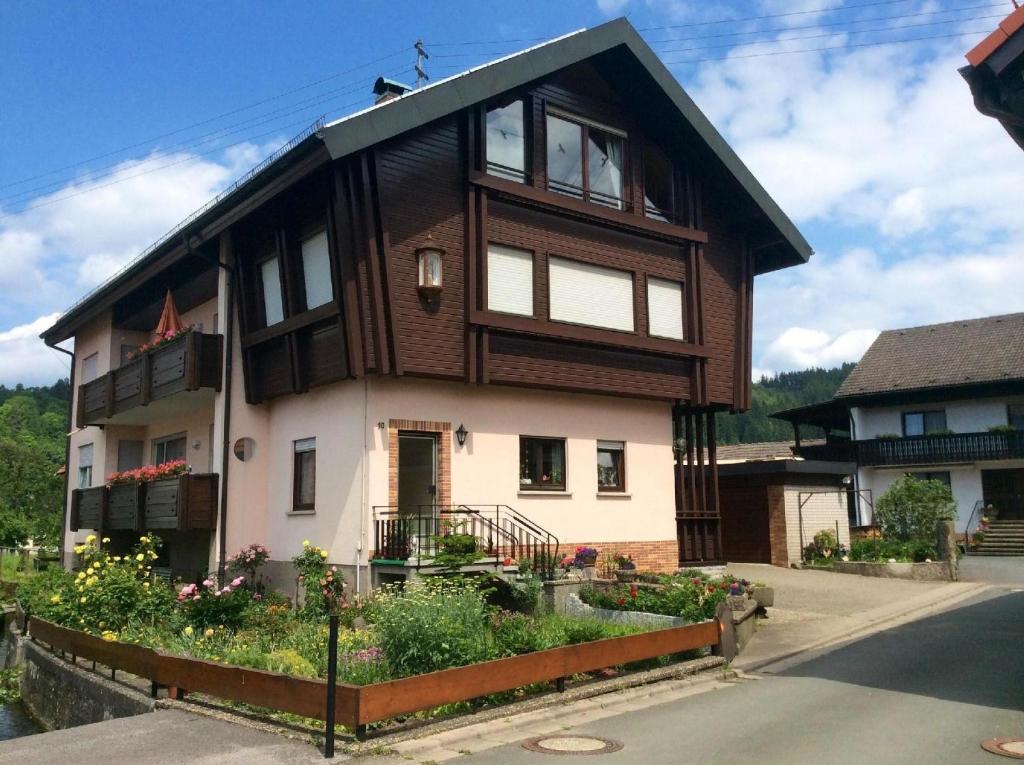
[(1002, 538)]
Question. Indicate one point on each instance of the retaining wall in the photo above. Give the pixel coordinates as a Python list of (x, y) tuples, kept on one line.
[(935, 571)]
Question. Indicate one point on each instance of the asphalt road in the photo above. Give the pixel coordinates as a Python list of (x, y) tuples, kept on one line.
[(925, 692)]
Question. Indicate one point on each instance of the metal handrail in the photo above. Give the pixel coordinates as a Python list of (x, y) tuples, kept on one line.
[(979, 505), (496, 526)]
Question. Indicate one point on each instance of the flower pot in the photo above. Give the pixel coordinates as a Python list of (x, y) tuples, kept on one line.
[(627, 575), (765, 596), (588, 560)]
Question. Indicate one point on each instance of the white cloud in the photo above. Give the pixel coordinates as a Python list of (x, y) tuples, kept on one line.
[(67, 242), (612, 7), (25, 359), (829, 311)]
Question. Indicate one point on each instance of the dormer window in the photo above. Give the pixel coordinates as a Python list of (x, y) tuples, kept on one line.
[(506, 142), (585, 160)]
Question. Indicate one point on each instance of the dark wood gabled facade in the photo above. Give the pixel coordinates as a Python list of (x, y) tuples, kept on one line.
[(376, 188)]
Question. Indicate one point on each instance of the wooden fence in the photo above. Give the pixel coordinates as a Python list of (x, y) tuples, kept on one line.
[(356, 706)]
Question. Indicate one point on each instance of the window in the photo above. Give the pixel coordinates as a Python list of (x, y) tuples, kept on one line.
[(270, 282), (304, 476), (509, 280), (665, 309), (129, 454), (89, 367), (594, 174), (1015, 416), (611, 466), (541, 464), (659, 186), (316, 271), (581, 293), (168, 448), (924, 423), (942, 476), (506, 144), (128, 353), (85, 466)]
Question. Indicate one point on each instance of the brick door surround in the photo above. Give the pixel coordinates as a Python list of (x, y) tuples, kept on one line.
[(443, 431)]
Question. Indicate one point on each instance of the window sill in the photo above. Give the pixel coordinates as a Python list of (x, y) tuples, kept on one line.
[(614, 495), (559, 494), (301, 512)]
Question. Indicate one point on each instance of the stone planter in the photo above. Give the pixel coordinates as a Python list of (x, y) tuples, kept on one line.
[(933, 571), (627, 574), (765, 596)]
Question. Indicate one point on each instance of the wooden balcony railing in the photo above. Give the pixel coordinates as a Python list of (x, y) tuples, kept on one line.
[(941, 449), (187, 363), (182, 503)]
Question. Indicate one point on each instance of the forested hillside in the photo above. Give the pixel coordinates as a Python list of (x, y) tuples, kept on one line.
[(772, 394), (33, 427)]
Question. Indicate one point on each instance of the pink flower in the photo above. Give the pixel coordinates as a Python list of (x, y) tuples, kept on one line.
[(207, 583), (237, 582)]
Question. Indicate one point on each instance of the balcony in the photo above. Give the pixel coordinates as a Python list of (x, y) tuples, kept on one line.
[(182, 503), (155, 385), (940, 449)]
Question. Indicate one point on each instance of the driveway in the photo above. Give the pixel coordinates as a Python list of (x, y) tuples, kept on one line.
[(1003, 571)]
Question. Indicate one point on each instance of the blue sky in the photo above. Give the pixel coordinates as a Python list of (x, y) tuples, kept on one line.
[(118, 119)]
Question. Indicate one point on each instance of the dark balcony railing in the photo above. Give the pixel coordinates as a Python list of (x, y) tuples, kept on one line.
[(182, 503), (834, 451), (500, 531), (187, 363), (941, 449)]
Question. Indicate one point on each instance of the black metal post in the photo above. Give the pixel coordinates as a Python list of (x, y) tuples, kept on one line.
[(332, 684)]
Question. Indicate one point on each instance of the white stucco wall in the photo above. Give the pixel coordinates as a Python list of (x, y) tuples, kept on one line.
[(965, 416), (823, 509)]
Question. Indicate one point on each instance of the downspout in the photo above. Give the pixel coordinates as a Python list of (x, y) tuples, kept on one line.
[(67, 449), (364, 489), (229, 353)]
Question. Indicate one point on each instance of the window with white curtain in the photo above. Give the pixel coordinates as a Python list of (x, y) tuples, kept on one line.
[(316, 271), (506, 142), (581, 293), (585, 160), (509, 280), (85, 466), (270, 279), (665, 309)]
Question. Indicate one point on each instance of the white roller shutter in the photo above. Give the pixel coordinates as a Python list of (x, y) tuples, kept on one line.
[(582, 293), (665, 308), (316, 271), (509, 280)]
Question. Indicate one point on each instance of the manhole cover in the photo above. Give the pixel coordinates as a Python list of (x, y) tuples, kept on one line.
[(1007, 747), (572, 745)]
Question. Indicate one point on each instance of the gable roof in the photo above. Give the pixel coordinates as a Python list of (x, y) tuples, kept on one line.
[(390, 118), (957, 353), (993, 74)]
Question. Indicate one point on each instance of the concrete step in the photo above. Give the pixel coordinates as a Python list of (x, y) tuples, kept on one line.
[(997, 554)]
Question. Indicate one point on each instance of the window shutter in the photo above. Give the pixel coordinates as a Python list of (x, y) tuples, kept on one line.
[(581, 293), (316, 271), (665, 308), (305, 445), (85, 456), (509, 280), (273, 305)]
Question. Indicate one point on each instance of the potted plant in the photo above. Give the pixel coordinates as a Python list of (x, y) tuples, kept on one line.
[(625, 568), (586, 556)]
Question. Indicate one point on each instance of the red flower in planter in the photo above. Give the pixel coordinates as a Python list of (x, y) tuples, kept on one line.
[(696, 581), (633, 591), (725, 586), (621, 601)]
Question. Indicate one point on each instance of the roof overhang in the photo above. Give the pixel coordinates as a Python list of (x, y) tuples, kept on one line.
[(994, 75), (788, 467), (829, 415)]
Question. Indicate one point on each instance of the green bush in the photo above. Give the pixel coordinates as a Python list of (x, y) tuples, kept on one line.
[(433, 624), (515, 634), (694, 599), (881, 550), (911, 508)]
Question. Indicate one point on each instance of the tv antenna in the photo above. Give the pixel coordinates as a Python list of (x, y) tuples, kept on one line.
[(421, 59)]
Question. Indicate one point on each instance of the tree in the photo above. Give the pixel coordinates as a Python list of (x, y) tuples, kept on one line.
[(910, 509)]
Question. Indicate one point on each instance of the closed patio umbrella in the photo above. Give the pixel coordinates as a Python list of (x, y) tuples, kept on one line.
[(170, 320)]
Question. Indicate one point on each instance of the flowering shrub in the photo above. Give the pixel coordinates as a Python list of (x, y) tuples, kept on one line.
[(624, 562), (248, 561), (165, 338), (207, 605), (323, 585), (430, 625), (150, 472), (106, 594), (692, 598)]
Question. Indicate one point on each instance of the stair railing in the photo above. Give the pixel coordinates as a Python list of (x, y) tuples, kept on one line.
[(978, 510)]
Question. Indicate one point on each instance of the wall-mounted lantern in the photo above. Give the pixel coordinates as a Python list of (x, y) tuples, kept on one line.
[(460, 434), (428, 259)]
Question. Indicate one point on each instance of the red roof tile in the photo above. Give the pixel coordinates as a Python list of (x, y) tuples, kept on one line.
[(977, 55)]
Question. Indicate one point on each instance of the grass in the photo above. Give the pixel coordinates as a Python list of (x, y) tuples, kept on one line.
[(15, 567)]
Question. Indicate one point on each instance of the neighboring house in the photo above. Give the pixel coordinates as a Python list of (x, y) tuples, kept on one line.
[(774, 502), (944, 401), (996, 75), (520, 287)]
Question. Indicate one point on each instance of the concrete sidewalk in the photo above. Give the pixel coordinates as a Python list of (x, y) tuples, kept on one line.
[(164, 737), (816, 609)]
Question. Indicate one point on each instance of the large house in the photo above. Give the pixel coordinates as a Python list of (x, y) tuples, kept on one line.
[(512, 300), (945, 402)]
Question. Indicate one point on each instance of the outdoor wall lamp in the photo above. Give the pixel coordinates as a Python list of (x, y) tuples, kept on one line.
[(460, 434), (428, 259)]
